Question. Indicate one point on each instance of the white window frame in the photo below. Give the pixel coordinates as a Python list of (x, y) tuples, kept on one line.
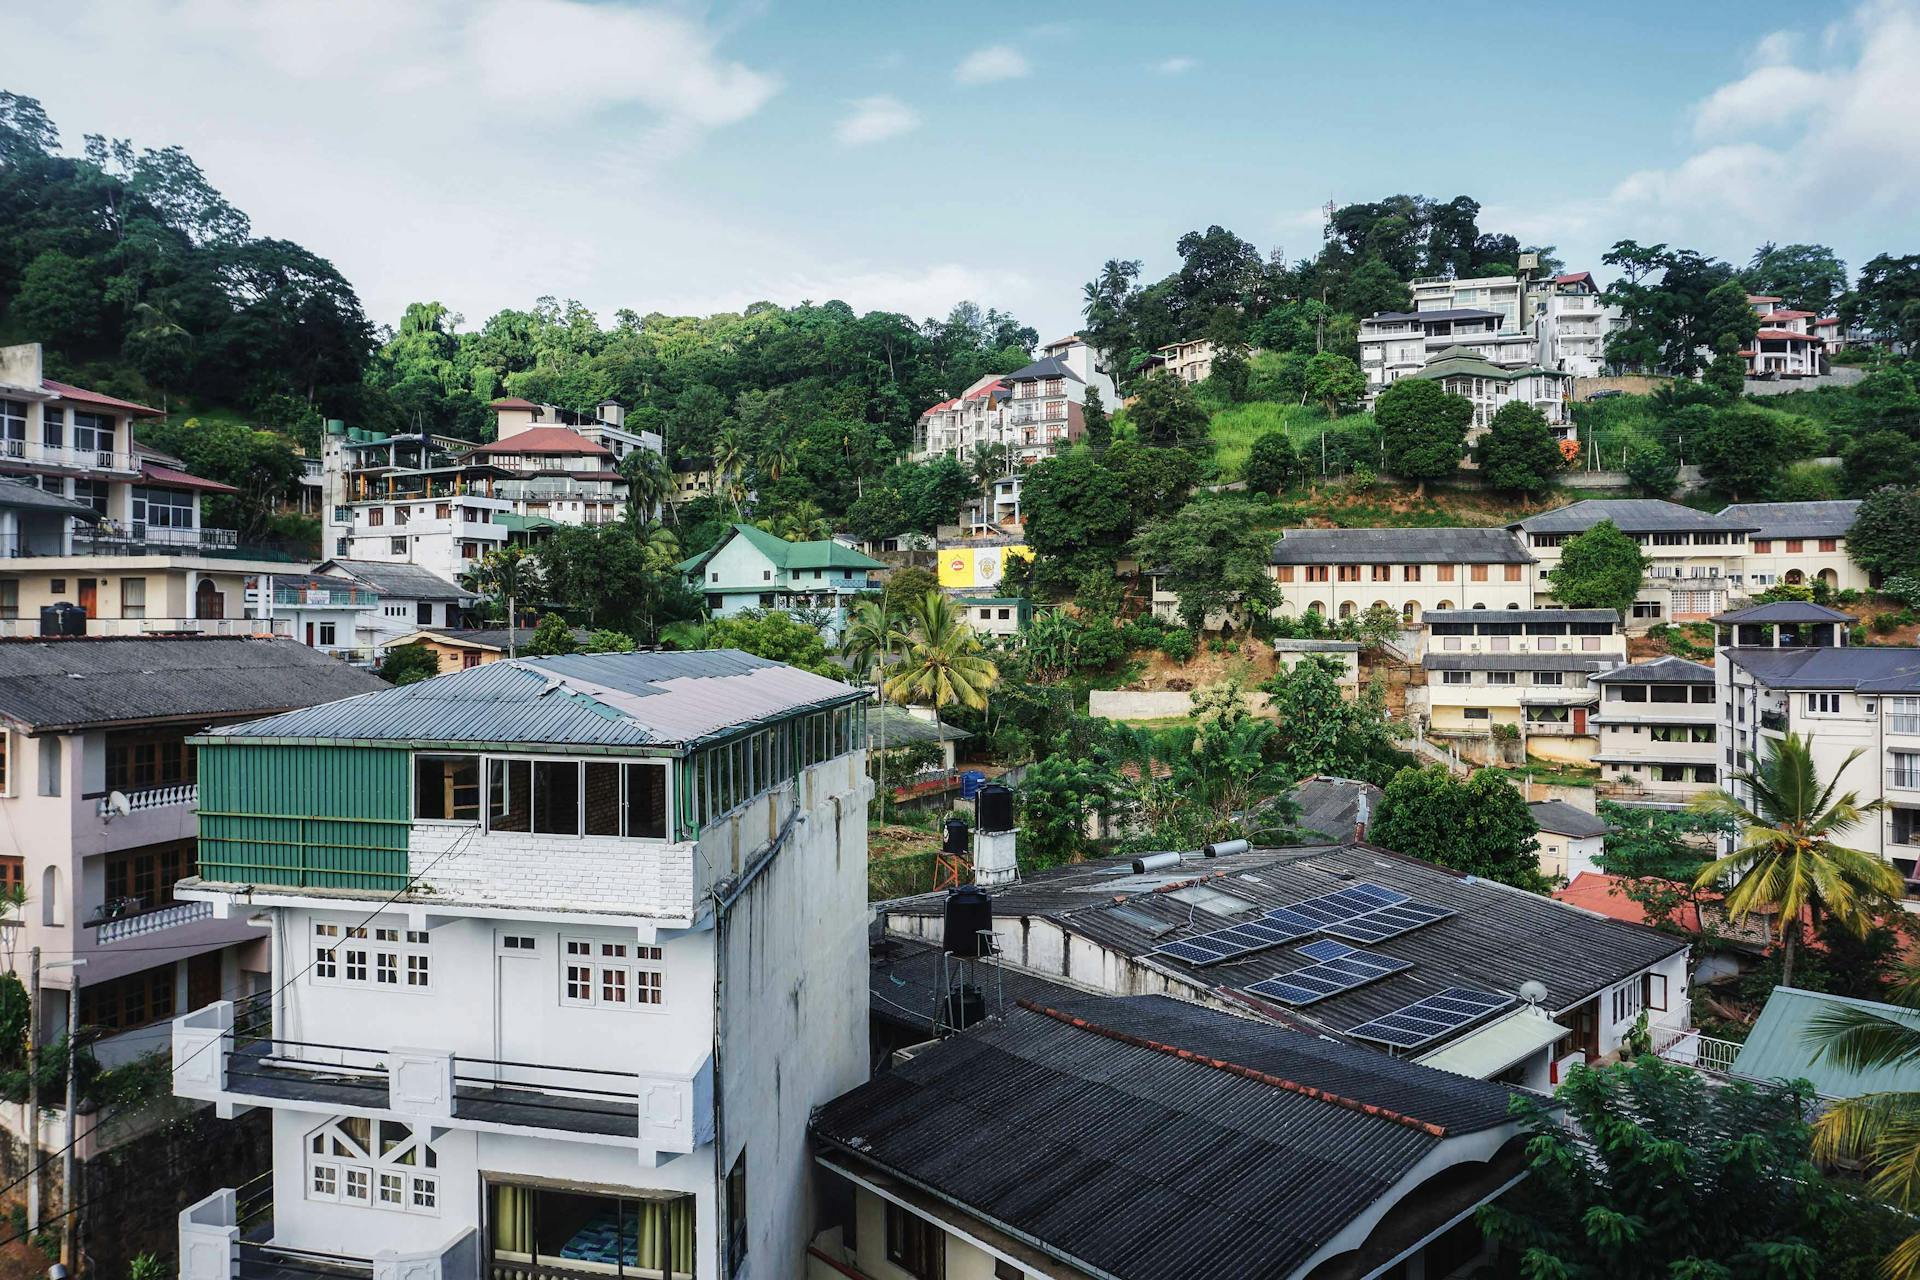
[(357, 956), (611, 964), (419, 1183)]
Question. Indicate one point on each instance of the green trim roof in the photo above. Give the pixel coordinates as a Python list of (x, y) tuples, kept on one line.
[(822, 554), (1459, 362), (1781, 1046), (523, 524)]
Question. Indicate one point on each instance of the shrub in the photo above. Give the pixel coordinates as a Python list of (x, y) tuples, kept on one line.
[(1178, 645), (1902, 590)]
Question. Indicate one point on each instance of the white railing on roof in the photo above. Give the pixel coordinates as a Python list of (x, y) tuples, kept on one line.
[(155, 798), (1688, 1048)]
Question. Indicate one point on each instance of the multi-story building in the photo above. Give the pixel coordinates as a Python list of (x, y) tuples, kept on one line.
[(1659, 730), (1190, 362), (1340, 572), (1043, 413), (1504, 296), (1698, 558), (1572, 323), (1787, 668), (1799, 544), (128, 546), (98, 790), (1786, 345), (954, 428), (1524, 668), (1394, 344), (605, 426), (410, 499), (562, 466), (752, 569), (1490, 386), (564, 952)]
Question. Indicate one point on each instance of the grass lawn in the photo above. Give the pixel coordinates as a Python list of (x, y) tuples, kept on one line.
[(1235, 429)]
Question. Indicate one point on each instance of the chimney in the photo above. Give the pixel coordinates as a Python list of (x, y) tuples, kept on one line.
[(1360, 818)]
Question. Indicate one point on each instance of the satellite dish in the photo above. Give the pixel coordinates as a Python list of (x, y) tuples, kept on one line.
[(1533, 992), (118, 805)]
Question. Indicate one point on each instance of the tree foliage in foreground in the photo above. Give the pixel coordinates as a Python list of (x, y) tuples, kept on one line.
[(1481, 826), (1519, 454), (1600, 568)]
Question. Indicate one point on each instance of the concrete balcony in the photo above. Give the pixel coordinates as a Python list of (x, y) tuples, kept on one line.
[(183, 793), (1687, 1047), (34, 453), (227, 1054), (1903, 779), (229, 1236), (15, 627), (113, 926)]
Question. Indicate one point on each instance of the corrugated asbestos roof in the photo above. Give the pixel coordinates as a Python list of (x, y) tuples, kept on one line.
[(1863, 669), (1331, 806), (1518, 662), (1796, 519), (1631, 515), (403, 581), (1432, 616), (1659, 671), (1782, 1046), (577, 699), (1499, 938), (1117, 1155), (48, 684), (901, 727), (1399, 546), (1563, 819)]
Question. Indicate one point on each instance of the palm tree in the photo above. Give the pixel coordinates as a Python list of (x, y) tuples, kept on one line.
[(1787, 861), (1881, 1130), (779, 453), (729, 460), (649, 484), (508, 575), (943, 664), (988, 463), (873, 631)]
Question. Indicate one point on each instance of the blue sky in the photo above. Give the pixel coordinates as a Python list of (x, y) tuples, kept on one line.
[(693, 158)]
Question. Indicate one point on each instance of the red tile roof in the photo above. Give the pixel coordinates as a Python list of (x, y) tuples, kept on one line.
[(1826, 320), (1789, 315), (512, 402), (1786, 333), (67, 391), (1606, 895), (989, 389), (157, 474), (1763, 297), (936, 408), (1574, 277), (545, 440)]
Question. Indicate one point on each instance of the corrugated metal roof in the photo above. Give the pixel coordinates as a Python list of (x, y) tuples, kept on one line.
[(1331, 806), (31, 497), (1630, 515), (1399, 546), (1659, 671), (580, 699), (898, 727), (1119, 1156), (1864, 668), (404, 581), (1832, 519), (46, 684), (1782, 1046)]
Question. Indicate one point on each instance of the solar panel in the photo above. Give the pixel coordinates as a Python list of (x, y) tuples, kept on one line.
[(1426, 1020), (1345, 904), (1326, 949), (1329, 977), (1220, 945), (1388, 922)]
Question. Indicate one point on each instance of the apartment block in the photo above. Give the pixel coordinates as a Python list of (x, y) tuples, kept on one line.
[(955, 428), (1698, 558), (410, 499), (1659, 727), (1798, 544), (1394, 344), (564, 952), (562, 466), (1573, 323), (1528, 669), (1490, 387), (1190, 362), (1341, 572), (1044, 413)]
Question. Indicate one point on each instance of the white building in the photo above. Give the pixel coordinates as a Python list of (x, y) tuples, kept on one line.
[(1044, 414), (1799, 544), (563, 466), (1659, 730), (1505, 296), (1341, 572), (555, 991), (1394, 344), (1698, 558), (955, 428), (1490, 387), (1573, 323), (1190, 362), (1786, 345), (1526, 669), (1571, 839), (408, 499)]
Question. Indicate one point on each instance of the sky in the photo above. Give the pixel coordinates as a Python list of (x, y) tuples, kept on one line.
[(690, 158)]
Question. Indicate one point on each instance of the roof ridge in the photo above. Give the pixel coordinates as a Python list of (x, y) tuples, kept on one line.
[(1234, 1068)]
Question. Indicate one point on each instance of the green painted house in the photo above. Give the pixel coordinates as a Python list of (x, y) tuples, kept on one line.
[(750, 568)]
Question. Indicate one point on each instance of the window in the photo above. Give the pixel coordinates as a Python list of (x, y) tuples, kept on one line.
[(381, 1164), (916, 1246), (141, 758), (92, 431), (1476, 713), (397, 546), (141, 879), (568, 797), (1004, 1270), (1410, 573), (327, 633), (446, 788), (596, 973), (543, 1231), (1444, 573), (1906, 769), (1626, 1002), (13, 873), (1513, 573), (1477, 573), (390, 957), (1283, 573), (377, 516), (1824, 704), (135, 1000), (50, 754), (1383, 573), (1549, 678), (737, 1213), (1349, 573), (1319, 572), (1763, 546), (1795, 546), (1456, 677), (1829, 544), (13, 422), (162, 508), (133, 597), (1646, 608), (1499, 677)]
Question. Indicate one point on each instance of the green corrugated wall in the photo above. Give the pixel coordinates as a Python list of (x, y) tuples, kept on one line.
[(311, 817)]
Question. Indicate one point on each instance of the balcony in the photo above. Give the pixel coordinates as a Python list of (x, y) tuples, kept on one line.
[(1554, 729), (1774, 721), (1688, 1048), (228, 1054), (229, 1236), (186, 793), (34, 453), (1904, 778), (342, 597), (123, 918)]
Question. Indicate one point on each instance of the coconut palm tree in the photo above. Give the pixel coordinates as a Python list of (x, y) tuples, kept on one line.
[(1880, 1130), (507, 575), (943, 663), (649, 484), (874, 632), (1787, 861), (779, 453), (987, 463), (729, 457)]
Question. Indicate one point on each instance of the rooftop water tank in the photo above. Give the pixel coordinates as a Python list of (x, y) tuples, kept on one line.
[(969, 911), (956, 839), (993, 808)]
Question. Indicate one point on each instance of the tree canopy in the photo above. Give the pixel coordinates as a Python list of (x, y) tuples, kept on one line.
[(1424, 429), (1213, 555), (1481, 826), (1601, 568), (1519, 454)]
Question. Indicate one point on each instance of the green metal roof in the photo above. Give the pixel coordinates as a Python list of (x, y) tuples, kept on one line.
[(822, 554), (1781, 1046), (523, 524), (1460, 362)]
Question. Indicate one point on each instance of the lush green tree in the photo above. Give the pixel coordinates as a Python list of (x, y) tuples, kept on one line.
[(1805, 277), (1789, 862), (1481, 826), (552, 636), (649, 484), (608, 642), (1741, 450), (912, 498), (59, 301), (1727, 375), (509, 577), (1094, 419), (1886, 299), (1692, 305), (260, 464), (1881, 459), (1424, 429), (1601, 568), (1658, 854), (774, 635), (1519, 454), (1165, 414), (1271, 463), (943, 663), (905, 585), (1652, 469), (1156, 481), (1059, 798), (615, 576), (1321, 729), (409, 664), (1295, 326), (1882, 538), (1213, 555), (1078, 514), (1334, 382), (1373, 287), (1643, 1170)]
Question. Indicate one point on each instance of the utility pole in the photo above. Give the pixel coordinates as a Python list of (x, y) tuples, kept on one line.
[(33, 1097), (69, 1199)]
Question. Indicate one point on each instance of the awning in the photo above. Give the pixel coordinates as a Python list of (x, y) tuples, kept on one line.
[(1497, 1046)]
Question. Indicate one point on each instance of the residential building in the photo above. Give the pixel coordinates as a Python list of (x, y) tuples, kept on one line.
[(1116, 927), (1786, 1043), (1573, 323), (955, 428), (1491, 386), (1786, 345), (410, 597), (1394, 344), (1798, 544), (891, 726), (1504, 296), (996, 615), (1788, 668), (410, 499), (1698, 558), (694, 478), (1339, 572), (128, 546), (1570, 839), (1190, 362), (605, 426), (752, 569), (98, 789), (1528, 669), (1659, 727), (458, 648), (562, 466), (564, 951), (1397, 1156), (323, 613), (1044, 412)]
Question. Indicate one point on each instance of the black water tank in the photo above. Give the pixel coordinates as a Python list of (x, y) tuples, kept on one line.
[(969, 911), (63, 619), (965, 1006), (956, 841), (993, 808)]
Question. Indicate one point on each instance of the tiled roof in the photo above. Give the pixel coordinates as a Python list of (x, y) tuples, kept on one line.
[(1458, 362), (1605, 895), (1049, 367), (1631, 515), (21, 496), (1860, 668), (557, 440), (1786, 334), (48, 684), (1784, 611), (1564, 819), (67, 391), (1147, 1138), (1658, 671), (173, 477), (1399, 546), (1831, 519), (511, 402)]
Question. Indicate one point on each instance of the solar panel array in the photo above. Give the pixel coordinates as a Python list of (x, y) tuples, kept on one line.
[(1329, 977), (1228, 944), (1362, 912), (1388, 922), (1326, 949), (1428, 1019), (1345, 904)]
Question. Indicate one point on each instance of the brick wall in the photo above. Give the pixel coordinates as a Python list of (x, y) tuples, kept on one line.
[(525, 870)]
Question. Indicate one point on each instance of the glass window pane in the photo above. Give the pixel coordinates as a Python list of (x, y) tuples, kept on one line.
[(647, 800), (510, 805), (556, 797), (446, 788), (603, 799)]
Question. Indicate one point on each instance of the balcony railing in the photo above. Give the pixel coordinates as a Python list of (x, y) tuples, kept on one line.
[(46, 455), (229, 1236), (1903, 724), (116, 923), (14, 627), (153, 798), (327, 597), (1774, 720), (1904, 777), (1687, 1047)]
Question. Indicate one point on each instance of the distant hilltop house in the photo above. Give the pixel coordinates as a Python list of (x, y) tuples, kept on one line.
[(1786, 345), (1031, 412), (751, 569), (564, 466)]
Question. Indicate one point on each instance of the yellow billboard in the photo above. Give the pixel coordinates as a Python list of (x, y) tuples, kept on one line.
[(977, 568)]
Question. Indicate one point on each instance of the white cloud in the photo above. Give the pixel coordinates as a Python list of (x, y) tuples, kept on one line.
[(1176, 65), (876, 119), (995, 62), (1763, 101)]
